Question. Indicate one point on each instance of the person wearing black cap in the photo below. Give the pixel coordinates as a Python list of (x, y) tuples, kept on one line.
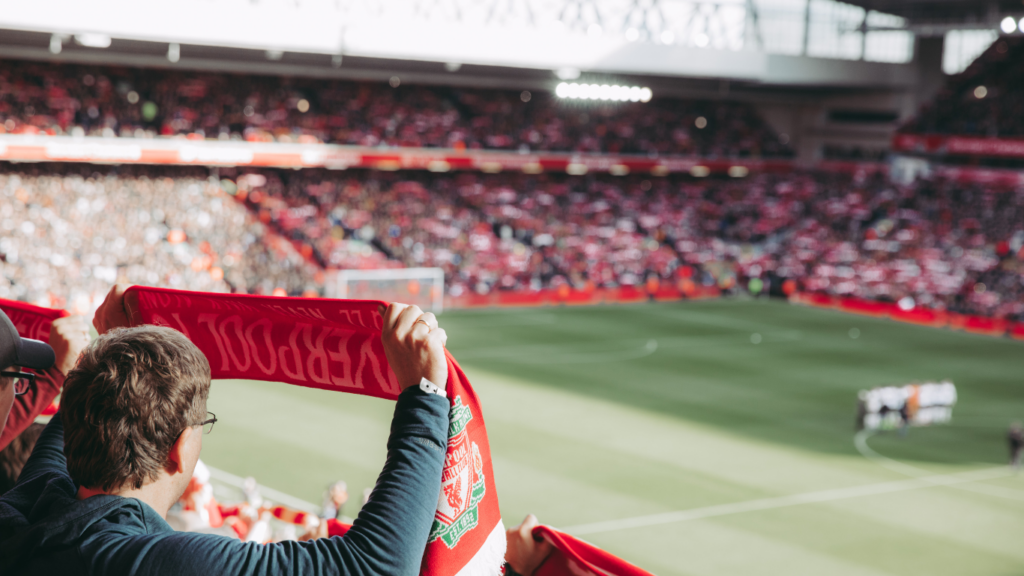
[(24, 395), (16, 353)]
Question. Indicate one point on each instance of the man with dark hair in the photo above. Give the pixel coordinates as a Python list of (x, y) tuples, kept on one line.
[(93, 496), (150, 384)]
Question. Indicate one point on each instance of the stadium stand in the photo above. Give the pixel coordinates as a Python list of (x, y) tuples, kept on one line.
[(984, 100), (945, 244), (70, 231), (129, 102)]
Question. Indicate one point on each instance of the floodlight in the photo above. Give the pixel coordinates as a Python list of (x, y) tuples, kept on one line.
[(606, 92), (93, 40), (1020, 25), (1008, 25)]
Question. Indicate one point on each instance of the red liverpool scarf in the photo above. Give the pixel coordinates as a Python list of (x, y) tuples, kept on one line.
[(31, 321), (335, 345)]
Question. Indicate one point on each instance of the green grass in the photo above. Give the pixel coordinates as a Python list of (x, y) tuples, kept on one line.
[(604, 413)]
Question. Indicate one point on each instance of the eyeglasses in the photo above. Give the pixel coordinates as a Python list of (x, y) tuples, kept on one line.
[(208, 423), (22, 380)]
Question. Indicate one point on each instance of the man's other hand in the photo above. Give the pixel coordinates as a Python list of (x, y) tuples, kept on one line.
[(68, 337), (414, 345), (112, 313), (522, 552)]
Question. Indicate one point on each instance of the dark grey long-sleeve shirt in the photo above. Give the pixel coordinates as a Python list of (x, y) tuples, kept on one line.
[(45, 530)]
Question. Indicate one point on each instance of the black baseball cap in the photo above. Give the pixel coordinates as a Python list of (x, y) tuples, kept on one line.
[(23, 352)]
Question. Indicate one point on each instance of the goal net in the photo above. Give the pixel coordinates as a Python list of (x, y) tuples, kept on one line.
[(423, 287)]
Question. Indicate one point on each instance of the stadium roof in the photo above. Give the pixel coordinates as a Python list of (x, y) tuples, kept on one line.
[(959, 13), (487, 42)]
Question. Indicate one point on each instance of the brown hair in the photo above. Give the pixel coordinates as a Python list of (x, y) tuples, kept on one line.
[(124, 405)]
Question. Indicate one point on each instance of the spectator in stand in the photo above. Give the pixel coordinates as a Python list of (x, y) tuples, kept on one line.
[(121, 473), (334, 501)]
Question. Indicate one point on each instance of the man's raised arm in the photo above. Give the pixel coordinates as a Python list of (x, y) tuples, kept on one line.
[(390, 534)]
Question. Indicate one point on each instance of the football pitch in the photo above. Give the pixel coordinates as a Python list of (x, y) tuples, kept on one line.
[(696, 438)]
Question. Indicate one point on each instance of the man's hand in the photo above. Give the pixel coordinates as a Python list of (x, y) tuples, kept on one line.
[(68, 337), (112, 313), (414, 345), (523, 552)]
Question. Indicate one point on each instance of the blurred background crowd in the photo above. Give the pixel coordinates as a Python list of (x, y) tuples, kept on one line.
[(69, 232), (145, 103)]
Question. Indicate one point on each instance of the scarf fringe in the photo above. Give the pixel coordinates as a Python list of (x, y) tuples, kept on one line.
[(490, 558)]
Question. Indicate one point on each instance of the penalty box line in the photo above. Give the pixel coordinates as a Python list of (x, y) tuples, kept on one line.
[(818, 497)]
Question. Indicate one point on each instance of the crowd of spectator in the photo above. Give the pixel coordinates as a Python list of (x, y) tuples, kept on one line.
[(938, 242), (984, 100), (68, 232), (144, 103)]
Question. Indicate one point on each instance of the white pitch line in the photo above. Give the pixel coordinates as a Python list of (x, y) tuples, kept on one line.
[(760, 504), (860, 440), (268, 493)]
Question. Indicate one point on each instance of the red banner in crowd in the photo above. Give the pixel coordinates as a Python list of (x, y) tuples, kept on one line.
[(923, 316), (958, 145), (31, 321), (1017, 331), (572, 297), (183, 151), (335, 345)]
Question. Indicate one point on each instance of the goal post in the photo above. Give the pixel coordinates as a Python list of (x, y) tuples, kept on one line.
[(423, 287)]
